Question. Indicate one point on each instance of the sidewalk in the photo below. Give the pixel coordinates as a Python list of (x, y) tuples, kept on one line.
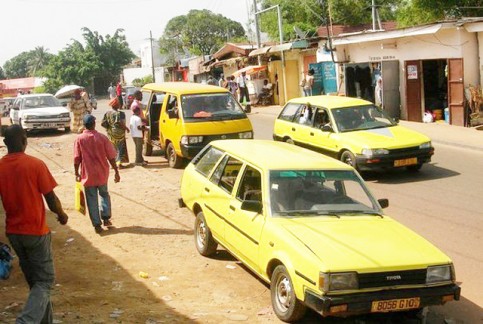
[(439, 133)]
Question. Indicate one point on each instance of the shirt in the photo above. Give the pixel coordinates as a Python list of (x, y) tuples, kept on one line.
[(92, 150), (242, 81), (23, 181), (136, 103), (134, 122)]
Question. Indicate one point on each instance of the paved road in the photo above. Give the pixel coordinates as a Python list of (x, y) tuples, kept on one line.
[(442, 202)]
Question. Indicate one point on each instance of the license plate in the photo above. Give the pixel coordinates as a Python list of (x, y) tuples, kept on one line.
[(49, 125), (395, 304), (404, 162)]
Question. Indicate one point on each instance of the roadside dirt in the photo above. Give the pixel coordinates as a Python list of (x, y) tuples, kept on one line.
[(98, 276)]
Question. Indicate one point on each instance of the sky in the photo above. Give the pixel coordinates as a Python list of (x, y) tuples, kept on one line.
[(53, 24)]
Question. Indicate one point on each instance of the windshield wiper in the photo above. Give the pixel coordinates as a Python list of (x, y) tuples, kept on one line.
[(308, 212), (365, 212)]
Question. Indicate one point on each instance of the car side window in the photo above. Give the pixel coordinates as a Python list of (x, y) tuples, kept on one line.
[(172, 103), (208, 160), (290, 111), (250, 185), (321, 118), (226, 173)]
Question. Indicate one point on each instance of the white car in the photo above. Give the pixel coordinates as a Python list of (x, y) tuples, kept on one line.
[(39, 111)]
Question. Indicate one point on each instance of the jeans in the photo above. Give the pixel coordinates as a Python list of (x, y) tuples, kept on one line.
[(244, 95), (35, 257), (307, 92), (92, 200), (138, 142)]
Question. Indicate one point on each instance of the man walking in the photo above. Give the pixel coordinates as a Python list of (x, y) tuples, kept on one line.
[(24, 179), (243, 88), (92, 151)]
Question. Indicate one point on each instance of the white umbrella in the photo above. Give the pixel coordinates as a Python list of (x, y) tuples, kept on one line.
[(67, 91)]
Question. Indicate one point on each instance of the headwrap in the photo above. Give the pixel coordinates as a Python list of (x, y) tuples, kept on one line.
[(114, 102)]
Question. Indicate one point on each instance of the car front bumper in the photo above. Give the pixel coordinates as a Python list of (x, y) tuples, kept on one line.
[(362, 303), (394, 159), (36, 124)]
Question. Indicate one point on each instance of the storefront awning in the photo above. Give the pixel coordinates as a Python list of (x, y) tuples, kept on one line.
[(259, 51), (251, 69), (383, 35), (280, 48)]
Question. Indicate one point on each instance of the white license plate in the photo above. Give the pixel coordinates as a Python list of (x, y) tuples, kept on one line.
[(49, 125)]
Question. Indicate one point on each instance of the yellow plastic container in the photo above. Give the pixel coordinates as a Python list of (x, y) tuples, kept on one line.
[(79, 200)]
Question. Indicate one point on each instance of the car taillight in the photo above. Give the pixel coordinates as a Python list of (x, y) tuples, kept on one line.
[(130, 97)]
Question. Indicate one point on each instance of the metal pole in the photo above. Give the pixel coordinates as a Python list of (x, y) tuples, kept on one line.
[(280, 31), (373, 15), (152, 55), (257, 28)]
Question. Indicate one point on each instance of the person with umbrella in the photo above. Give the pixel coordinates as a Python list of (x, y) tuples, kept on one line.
[(114, 121), (79, 107)]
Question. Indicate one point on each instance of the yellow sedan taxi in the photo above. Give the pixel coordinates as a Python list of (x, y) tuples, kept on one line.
[(352, 130), (308, 225)]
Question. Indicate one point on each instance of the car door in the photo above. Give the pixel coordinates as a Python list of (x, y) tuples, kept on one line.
[(285, 127), (14, 112), (323, 139), (170, 122), (244, 228), (219, 195)]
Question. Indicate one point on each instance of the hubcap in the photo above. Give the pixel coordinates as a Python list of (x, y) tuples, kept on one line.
[(201, 234), (284, 291)]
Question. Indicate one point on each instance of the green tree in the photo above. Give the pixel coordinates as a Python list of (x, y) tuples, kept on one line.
[(200, 32), (140, 82), (18, 66), (2, 74), (39, 58)]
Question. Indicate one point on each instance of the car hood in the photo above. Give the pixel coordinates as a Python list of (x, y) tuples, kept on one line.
[(45, 111), (388, 137), (365, 242)]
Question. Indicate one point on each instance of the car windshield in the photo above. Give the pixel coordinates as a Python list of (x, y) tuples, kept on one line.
[(40, 102), (361, 118), (295, 193), (212, 106)]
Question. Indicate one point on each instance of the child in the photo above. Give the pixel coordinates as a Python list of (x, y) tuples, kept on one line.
[(137, 128)]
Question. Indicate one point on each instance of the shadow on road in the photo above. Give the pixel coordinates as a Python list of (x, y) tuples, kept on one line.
[(427, 172), (145, 231)]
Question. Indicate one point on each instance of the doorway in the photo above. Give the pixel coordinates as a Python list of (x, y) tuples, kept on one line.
[(435, 87)]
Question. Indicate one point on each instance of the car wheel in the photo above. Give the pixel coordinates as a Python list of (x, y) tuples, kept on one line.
[(174, 160), (284, 302), (289, 141), (414, 168), (348, 158), (67, 129), (148, 149), (205, 244)]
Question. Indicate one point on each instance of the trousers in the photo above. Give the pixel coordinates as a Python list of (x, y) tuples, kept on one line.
[(92, 200)]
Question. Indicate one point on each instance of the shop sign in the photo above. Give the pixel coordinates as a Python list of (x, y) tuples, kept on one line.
[(381, 58), (412, 72)]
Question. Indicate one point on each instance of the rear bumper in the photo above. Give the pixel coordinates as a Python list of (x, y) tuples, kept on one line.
[(362, 303)]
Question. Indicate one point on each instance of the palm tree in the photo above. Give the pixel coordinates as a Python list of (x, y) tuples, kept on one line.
[(39, 58)]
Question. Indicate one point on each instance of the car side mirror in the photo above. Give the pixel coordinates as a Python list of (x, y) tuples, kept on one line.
[(15, 108), (64, 104), (173, 113), (327, 128), (383, 202), (252, 205)]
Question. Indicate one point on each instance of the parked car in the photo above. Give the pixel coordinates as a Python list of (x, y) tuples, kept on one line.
[(39, 111), (191, 115), (308, 225), (128, 96), (352, 130), (65, 101)]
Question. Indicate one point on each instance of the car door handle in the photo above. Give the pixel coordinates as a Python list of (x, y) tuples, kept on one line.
[(164, 120), (232, 208), (311, 134), (293, 129), (207, 190)]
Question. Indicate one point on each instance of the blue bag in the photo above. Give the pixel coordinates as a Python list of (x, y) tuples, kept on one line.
[(6, 258)]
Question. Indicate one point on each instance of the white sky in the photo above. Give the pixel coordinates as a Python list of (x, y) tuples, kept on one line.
[(26, 24)]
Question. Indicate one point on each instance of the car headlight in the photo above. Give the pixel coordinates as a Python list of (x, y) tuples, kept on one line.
[(186, 140), (338, 281), (425, 145), (64, 115), (439, 274), (29, 117), (372, 152), (245, 135)]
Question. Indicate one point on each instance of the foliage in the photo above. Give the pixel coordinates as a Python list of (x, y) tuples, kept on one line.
[(200, 32), (27, 64), (417, 12), (349, 12), (141, 82), (94, 65), (2, 74), (40, 89)]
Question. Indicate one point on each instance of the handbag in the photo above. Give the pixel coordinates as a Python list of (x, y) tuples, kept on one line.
[(79, 199), (6, 258)]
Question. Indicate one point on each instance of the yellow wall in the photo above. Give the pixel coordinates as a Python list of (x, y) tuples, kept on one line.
[(288, 84)]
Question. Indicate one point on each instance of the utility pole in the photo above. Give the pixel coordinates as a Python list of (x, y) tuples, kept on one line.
[(257, 28), (152, 55)]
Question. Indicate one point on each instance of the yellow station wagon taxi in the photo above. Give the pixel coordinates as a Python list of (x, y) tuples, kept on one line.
[(183, 117), (352, 130), (308, 225)]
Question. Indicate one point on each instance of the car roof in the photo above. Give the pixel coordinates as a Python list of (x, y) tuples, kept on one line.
[(35, 95), (331, 101), (183, 87), (274, 155)]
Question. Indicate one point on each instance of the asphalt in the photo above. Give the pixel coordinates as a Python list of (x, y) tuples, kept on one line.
[(439, 132)]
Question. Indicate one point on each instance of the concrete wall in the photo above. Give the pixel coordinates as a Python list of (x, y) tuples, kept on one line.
[(135, 73)]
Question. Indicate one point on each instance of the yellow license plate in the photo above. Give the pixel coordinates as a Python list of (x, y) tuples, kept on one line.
[(404, 162), (395, 304)]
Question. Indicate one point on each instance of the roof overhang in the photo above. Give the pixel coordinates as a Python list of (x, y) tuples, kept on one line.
[(260, 51), (280, 48), (384, 35)]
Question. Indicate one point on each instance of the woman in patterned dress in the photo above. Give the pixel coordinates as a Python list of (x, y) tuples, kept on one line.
[(115, 123), (79, 108)]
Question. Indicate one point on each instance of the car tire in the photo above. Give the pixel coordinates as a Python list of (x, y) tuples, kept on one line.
[(174, 160), (284, 301), (67, 129), (148, 149), (414, 168), (289, 141), (348, 158), (204, 242)]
